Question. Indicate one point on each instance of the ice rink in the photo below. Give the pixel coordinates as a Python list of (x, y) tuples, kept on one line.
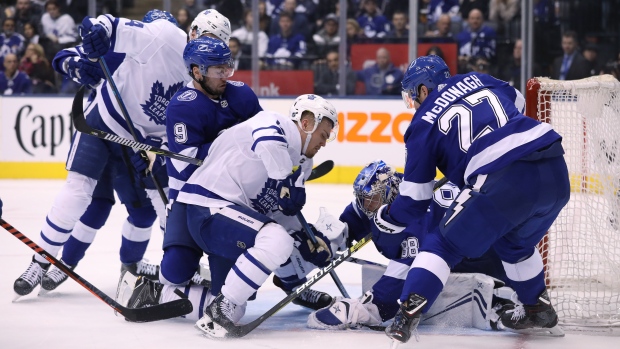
[(71, 317)]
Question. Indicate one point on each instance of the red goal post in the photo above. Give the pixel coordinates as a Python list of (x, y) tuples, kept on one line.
[(581, 251)]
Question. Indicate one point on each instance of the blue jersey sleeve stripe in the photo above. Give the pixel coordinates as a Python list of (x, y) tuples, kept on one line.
[(268, 138), (273, 127), (416, 191), (503, 146)]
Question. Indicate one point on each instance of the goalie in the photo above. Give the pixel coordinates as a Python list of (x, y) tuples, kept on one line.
[(468, 299)]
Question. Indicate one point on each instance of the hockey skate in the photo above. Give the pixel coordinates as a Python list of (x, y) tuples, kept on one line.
[(53, 278), (142, 268), (540, 318), (347, 313), (308, 298), (220, 317), (407, 319), (137, 291), (30, 278)]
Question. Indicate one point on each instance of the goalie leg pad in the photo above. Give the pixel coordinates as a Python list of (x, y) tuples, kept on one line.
[(346, 313)]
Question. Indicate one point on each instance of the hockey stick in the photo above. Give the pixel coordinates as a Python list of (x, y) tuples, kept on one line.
[(162, 311), (321, 170), (132, 130), (77, 116), (315, 242), (242, 330)]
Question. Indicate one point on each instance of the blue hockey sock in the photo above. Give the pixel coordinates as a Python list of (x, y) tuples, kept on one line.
[(132, 251), (529, 290), (427, 276)]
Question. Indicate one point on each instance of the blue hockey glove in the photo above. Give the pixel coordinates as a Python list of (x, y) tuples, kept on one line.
[(291, 193), (83, 71), (95, 39), (320, 256), (142, 161)]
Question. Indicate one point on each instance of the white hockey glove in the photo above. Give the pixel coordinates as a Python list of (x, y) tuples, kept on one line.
[(336, 231)]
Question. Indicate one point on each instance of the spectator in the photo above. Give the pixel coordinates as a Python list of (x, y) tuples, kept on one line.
[(10, 41), (479, 65), (435, 50), (399, 32), (328, 82), (264, 20), (241, 62), (355, 34), (74, 8), (58, 28), (374, 24), (326, 7), (284, 47), (327, 38), (231, 9), (443, 30), (245, 35), (391, 6), (31, 34), (193, 7), (12, 81), (381, 78), (436, 8), (511, 72), (183, 19), (301, 25), (38, 69), (468, 5), (571, 65), (503, 13), (26, 12), (475, 40), (590, 53)]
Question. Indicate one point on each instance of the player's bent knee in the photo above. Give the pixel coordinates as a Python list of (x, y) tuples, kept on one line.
[(276, 243), (179, 264), (141, 217)]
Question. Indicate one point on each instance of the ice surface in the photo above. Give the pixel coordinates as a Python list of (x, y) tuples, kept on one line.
[(71, 317)]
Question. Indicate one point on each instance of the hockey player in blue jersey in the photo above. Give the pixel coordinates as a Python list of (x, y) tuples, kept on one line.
[(135, 52), (378, 184), (513, 180)]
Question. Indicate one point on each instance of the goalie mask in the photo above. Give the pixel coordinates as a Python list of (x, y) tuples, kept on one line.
[(376, 185), (429, 71), (154, 15), (210, 22)]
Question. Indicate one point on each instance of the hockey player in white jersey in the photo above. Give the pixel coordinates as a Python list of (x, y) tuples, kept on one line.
[(468, 299), (244, 220), (138, 55)]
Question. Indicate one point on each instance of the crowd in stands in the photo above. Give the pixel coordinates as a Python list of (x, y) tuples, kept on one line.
[(304, 34)]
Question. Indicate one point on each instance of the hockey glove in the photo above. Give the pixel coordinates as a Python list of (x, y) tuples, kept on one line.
[(292, 194), (143, 161), (83, 71), (336, 231), (319, 256), (386, 233), (95, 38)]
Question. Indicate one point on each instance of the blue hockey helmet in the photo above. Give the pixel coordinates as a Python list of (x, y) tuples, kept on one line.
[(154, 15), (205, 52), (429, 71), (375, 185)]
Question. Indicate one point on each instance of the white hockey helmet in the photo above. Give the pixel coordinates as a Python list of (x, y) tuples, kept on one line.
[(320, 107), (213, 22)]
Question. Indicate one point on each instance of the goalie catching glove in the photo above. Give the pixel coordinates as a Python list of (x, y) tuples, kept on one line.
[(292, 193), (319, 256)]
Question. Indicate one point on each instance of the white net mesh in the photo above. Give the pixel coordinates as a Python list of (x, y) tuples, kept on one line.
[(582, 250)]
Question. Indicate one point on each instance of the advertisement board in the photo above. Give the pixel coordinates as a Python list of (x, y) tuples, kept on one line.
[(35, 135)]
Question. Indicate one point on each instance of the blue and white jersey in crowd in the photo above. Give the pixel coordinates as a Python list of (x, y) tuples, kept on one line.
[(406, 244), (470, 125), (11, 44), (245, 163), (146, 62), (195, 121), (479, 43)]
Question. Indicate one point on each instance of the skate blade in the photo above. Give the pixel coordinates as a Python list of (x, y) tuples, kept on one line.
[(395, 344), (43, 292), (210, 329), (16, 297), (555, 331)]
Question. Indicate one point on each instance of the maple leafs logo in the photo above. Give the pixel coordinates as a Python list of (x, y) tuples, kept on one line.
[(155, 106), (267, 200)]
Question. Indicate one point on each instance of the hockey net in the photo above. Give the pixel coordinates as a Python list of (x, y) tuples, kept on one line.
[(581, 251)]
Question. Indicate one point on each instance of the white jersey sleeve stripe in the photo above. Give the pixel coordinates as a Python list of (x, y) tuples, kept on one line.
[(416, 191), (504, 146), (397, 270)]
